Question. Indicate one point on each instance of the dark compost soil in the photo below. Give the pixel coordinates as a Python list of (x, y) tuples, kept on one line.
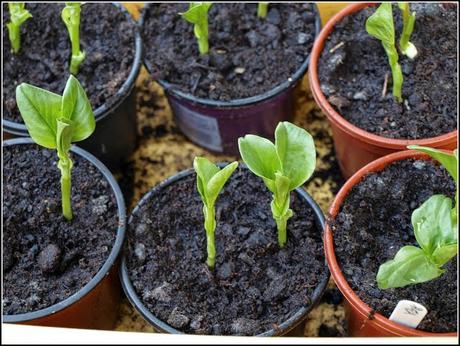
[(374, 222), (248, 56), (254, 287), (106, 36), (46, 258), (352, 76)]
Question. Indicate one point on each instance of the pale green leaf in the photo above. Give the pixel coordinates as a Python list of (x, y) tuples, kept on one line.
[(432, 223), (281, 194), (217, 182), (260, 156), (410, 266), (296, 150), (63, 137), (76, 107), (197, 13), (205, 170), (39, 109), (444, 254), (18, 13), (380, 24)]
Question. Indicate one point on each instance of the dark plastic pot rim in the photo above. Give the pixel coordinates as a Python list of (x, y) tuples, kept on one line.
[(104, 110), (24, 317), (158, 324), (336, 118), (290, 82)]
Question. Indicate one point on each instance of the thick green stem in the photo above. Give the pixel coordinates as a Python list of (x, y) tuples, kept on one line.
[(65, 165), (15, 37), (281, 213), (281, 224), (262, 9), (396, 71), (203, 45), (75, 62), (210, 227), (71, 17), (407, 48)]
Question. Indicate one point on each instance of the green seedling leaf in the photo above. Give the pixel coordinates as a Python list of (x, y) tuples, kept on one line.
[(210, 181), (71, 17), (283, 166), (294, 144), (410, 266), (217, 182), (380, 25), (262, 9), (197, 15), (76, 107), (407, 48), (433, 227), (436, 232), (18, 15), (39, 109), (260, 156), (55, 122)]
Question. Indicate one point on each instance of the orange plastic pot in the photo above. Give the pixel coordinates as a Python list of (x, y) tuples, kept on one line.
[(95, 305), (362, 319), (355, 147)]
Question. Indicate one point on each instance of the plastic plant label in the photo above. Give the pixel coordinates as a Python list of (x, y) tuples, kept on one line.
[(408, 313)]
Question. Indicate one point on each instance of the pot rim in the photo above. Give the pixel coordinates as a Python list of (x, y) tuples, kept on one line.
[(111, 259), (336, 272), (339, 120), (103, 110), (166, 328), (247, 101)]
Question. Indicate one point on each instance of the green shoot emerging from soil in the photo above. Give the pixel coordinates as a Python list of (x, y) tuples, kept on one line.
[(210, 181), (436, 231), (380, 25), (283, 166), (18, 15), (407, 48), (262, 9), (55, 122), (197, 14), (71, 17)]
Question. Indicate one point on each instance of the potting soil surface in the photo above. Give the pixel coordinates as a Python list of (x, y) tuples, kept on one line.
[(247, 56), (356, 77), (44, 57), (163, 151)]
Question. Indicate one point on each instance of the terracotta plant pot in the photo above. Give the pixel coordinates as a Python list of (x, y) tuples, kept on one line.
[(355, 147), (217, 125), (362, 321), (290, 327), (96, 304)]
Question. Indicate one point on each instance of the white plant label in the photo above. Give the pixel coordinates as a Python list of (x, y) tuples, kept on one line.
[(408, 313)]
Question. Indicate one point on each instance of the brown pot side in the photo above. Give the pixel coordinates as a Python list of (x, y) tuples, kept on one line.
[(96, 310), (362, 320), (355, 147)]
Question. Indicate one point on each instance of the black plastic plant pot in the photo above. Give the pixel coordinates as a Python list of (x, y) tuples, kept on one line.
[(114, 139), (217, 125), (289, 327), (96, 304)]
